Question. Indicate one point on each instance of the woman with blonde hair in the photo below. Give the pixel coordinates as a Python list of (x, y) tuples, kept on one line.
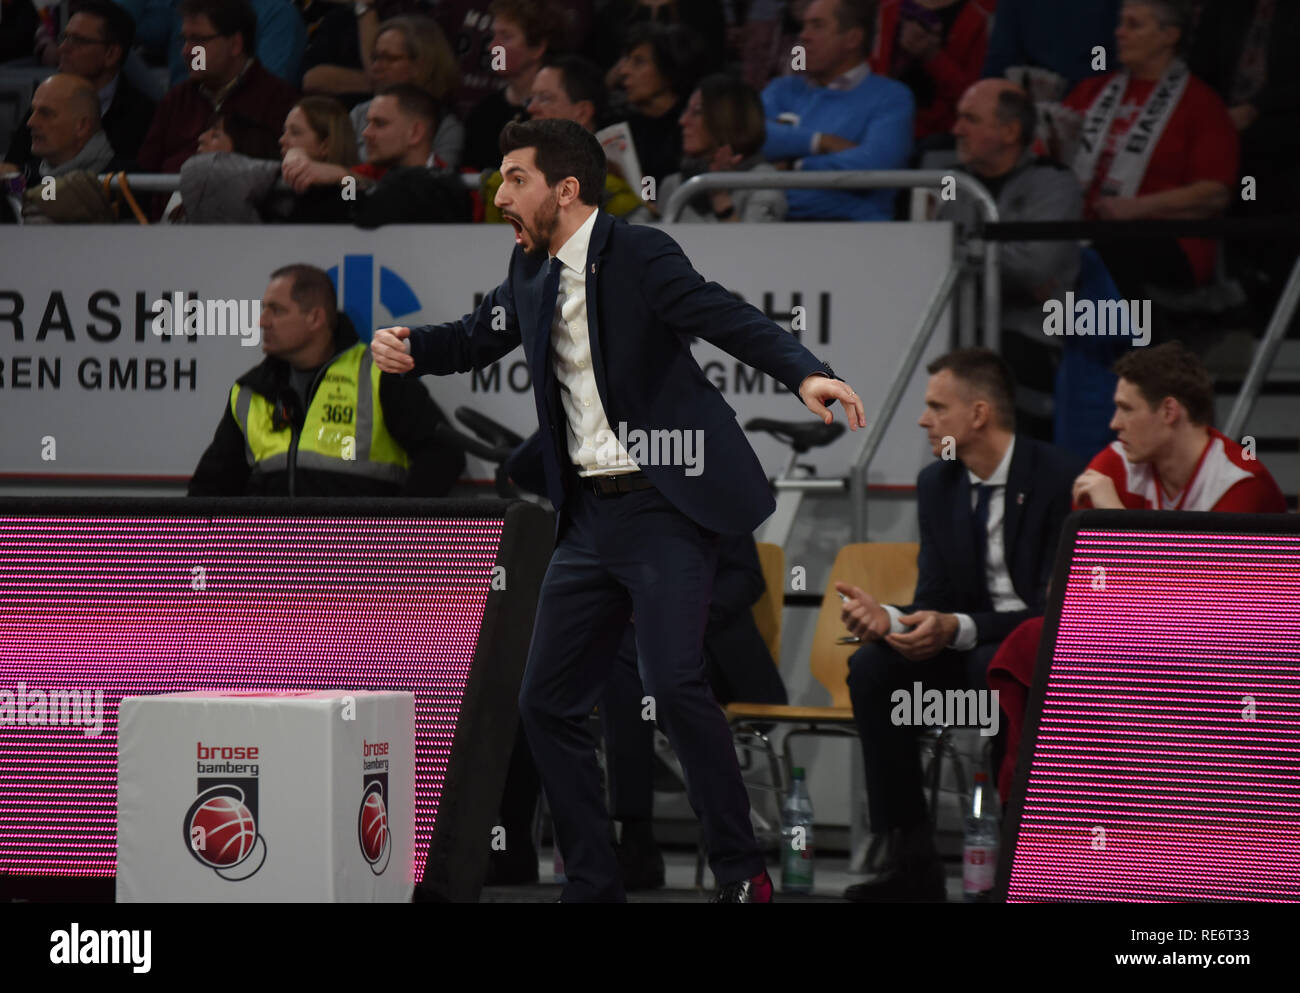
[(322, 129)]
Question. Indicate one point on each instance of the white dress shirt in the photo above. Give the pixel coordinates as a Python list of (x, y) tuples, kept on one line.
[(592, 442), (1002, 591)]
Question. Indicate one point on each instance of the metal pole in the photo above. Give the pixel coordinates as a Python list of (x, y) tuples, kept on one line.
[(1265, 353), (902, 376)]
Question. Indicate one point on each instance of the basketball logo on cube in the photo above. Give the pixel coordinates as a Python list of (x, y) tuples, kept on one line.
[(221, 832), (372, 825)]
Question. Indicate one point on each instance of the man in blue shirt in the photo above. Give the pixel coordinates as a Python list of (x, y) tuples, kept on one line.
[(836, 114)]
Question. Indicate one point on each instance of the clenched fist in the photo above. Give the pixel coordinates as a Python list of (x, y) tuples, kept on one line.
[(392, 350)]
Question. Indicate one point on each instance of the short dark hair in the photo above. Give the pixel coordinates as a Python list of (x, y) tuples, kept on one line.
[(1170, 370), (227, 17), (311, 288), (582, 80), (733, 113), (986, 372), (537, 19), (415, 101), (676, 50), (850, 14), (1018, 106), (119, 26), (563, 148)]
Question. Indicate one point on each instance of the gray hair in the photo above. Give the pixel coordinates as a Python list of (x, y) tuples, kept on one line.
[(1171, 14)]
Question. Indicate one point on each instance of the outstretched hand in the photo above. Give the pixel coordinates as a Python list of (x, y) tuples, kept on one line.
[(392, 351), (816, 390)]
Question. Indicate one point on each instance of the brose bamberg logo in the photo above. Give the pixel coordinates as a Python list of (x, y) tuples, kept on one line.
[(372, 820), (221, 825)]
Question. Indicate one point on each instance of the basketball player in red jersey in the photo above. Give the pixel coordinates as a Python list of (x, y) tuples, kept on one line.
[(1168, 457)]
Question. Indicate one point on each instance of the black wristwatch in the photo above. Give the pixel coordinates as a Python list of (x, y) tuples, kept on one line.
[(722, 215)]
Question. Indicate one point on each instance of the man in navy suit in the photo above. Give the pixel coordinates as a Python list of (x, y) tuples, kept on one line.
[(647, 466), (990, 515)]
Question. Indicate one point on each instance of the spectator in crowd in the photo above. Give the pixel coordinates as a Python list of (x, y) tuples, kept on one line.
[(1245, 50), (468, 26), (231, 104), (658, 70), (19, 23), (524, 30), (414, 50), (280, 432), (767, 40), (225, 188), (995, 128), (339, 57), (935, 47), (1059, 41), (722, 131), (614, 21), (98, 37), (1189, 172), (1168, 457), (570, 88), (838, 114), (281, 36), (402, 180), (66, 135), (989, 521)]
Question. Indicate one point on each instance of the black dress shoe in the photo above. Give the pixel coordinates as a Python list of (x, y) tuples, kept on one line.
[(902, 883), (755, 890)]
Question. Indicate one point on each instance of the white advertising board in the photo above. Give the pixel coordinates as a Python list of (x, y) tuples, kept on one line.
[(88, 390)]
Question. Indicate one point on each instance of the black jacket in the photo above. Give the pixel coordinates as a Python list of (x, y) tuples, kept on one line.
[(1037, 500), (125, 124), (409, 413), (414, 195)]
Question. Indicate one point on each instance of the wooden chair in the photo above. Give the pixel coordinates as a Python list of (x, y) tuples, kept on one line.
[(885, 570)]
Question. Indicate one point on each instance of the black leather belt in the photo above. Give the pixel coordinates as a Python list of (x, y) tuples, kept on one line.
[(625, 482)]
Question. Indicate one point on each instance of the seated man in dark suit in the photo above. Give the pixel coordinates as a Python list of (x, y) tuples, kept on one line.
[(990, 515)]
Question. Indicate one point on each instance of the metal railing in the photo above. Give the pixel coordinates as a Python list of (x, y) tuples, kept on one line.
[(979, 250), (1265, 354), (865, 180), (170, 182)]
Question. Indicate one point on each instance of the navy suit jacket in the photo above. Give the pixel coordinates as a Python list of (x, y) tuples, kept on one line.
[(644, 305), (1039, 481)]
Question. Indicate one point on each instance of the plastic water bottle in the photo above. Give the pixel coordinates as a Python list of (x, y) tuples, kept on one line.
[(797, 838), (980, 851)]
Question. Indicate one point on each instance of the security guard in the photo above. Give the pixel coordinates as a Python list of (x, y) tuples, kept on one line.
[(317, 417)]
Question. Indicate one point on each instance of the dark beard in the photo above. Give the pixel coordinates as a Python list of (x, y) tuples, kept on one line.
[(547, 216)]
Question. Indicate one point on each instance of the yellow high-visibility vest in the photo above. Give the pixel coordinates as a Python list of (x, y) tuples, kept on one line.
[(344, 429)]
